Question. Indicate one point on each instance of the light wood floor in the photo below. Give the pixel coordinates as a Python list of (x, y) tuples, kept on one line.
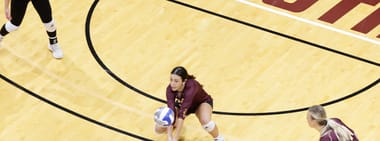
[(246, 70)]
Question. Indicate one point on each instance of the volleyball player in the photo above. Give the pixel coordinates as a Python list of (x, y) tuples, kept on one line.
[(15, 14), (330, 129), (185, 95)]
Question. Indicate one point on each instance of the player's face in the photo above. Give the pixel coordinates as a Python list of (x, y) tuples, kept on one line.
[(309, 120), (176, 82)]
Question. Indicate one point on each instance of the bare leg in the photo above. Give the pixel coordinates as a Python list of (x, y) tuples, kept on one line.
[(203, 114)]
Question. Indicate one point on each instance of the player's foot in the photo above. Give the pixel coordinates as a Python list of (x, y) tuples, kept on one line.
[(219, 138), (1, 39), (56, 50)]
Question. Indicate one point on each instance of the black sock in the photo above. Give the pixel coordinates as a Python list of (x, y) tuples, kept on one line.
[(52, 37), (3, 31)]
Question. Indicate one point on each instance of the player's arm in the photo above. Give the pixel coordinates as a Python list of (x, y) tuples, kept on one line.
[(7, 10), (188, 99), (170, 97), (179, 125), (170, 133)]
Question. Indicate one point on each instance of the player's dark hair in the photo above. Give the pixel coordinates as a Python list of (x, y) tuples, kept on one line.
[(181, 71)]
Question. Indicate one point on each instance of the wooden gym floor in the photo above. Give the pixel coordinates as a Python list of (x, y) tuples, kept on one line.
[(263, 66)]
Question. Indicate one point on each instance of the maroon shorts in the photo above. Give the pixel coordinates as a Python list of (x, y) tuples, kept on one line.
[(193, 109)]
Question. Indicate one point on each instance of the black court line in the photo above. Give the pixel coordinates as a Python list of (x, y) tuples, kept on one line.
[(67, 110), (305, 108), (121, 81), (100, 62), (60, 107), (275, 32)]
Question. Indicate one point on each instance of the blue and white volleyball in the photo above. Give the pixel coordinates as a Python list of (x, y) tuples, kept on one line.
[(164, 116)]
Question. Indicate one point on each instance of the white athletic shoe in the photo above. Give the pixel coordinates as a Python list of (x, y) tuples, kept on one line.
[(56, 50), (219, 138), (1, 39)]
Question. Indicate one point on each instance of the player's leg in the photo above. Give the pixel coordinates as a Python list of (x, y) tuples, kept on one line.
[(203, 114), (43, 9), (17, 11)]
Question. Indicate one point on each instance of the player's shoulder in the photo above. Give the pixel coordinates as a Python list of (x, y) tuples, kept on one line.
[(169, 90), (337, 120), (192, 82), (328, 136)]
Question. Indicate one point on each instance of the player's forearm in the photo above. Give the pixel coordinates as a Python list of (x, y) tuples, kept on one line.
[(170, 132), (6, 4), (179, 124)]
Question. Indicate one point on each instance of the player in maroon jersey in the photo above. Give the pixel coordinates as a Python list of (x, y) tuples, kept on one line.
[(330, 129), (185, 96)]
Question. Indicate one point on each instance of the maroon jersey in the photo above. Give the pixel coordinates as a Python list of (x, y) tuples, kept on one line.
[(329, 134), (192, 96)]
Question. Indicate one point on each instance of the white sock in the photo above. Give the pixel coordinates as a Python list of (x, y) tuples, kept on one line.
[(219, 138)]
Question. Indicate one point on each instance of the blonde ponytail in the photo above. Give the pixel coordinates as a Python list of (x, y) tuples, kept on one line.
[(342, 132)]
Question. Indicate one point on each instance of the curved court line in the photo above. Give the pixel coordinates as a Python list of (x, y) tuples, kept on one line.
[(71, 111), (305, 108), (117, 78), (100, 62), (309, 22), (276, 33), (90, 93)]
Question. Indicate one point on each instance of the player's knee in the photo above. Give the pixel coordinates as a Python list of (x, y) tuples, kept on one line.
[(50, 26), (209, 126), (10, 27)]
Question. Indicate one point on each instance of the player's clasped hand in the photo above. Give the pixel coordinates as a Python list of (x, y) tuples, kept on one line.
[(160, 122)]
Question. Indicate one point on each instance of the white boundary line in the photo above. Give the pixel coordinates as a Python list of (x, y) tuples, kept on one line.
[(309, 22)]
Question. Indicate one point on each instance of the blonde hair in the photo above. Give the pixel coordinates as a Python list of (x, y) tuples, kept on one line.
[(318, 113)]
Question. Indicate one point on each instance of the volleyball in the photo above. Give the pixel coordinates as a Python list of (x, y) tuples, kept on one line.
[(164, 116)]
